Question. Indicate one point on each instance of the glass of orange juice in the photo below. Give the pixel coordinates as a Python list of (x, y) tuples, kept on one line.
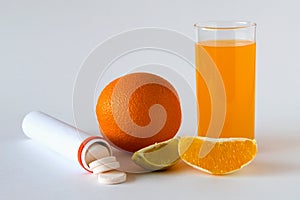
[(225, 78)]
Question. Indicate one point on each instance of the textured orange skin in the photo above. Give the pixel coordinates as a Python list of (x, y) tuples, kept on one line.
[(140, 102)]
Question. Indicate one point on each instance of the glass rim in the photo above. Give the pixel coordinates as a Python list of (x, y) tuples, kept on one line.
[(224, 25)]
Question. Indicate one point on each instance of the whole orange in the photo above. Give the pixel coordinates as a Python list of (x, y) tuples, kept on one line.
[(137, 110)]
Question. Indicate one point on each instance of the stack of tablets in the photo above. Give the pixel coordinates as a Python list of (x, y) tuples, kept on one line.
[(105, 168)]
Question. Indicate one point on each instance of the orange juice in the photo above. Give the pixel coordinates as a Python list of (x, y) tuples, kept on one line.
[(235, 60)]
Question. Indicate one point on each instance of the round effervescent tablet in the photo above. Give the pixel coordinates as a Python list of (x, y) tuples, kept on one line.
[(106, 167), (112, 177), (102, 161)]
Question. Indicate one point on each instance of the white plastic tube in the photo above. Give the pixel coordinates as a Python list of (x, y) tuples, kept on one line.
[(65, 139)]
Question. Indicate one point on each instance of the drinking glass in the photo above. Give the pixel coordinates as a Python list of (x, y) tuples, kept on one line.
[(225, 78)]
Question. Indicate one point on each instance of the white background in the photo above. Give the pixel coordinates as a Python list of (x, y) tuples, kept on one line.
[(42, 44)]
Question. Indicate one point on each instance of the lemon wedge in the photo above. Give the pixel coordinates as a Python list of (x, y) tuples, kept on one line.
[(158, 156)]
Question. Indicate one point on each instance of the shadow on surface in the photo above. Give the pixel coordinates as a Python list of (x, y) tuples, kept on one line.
[(278, 154)]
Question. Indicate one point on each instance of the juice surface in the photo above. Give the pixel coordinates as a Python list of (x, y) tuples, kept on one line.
[(235, 60)]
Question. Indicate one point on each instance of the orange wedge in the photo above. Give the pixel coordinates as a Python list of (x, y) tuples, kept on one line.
[(217, 156)]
